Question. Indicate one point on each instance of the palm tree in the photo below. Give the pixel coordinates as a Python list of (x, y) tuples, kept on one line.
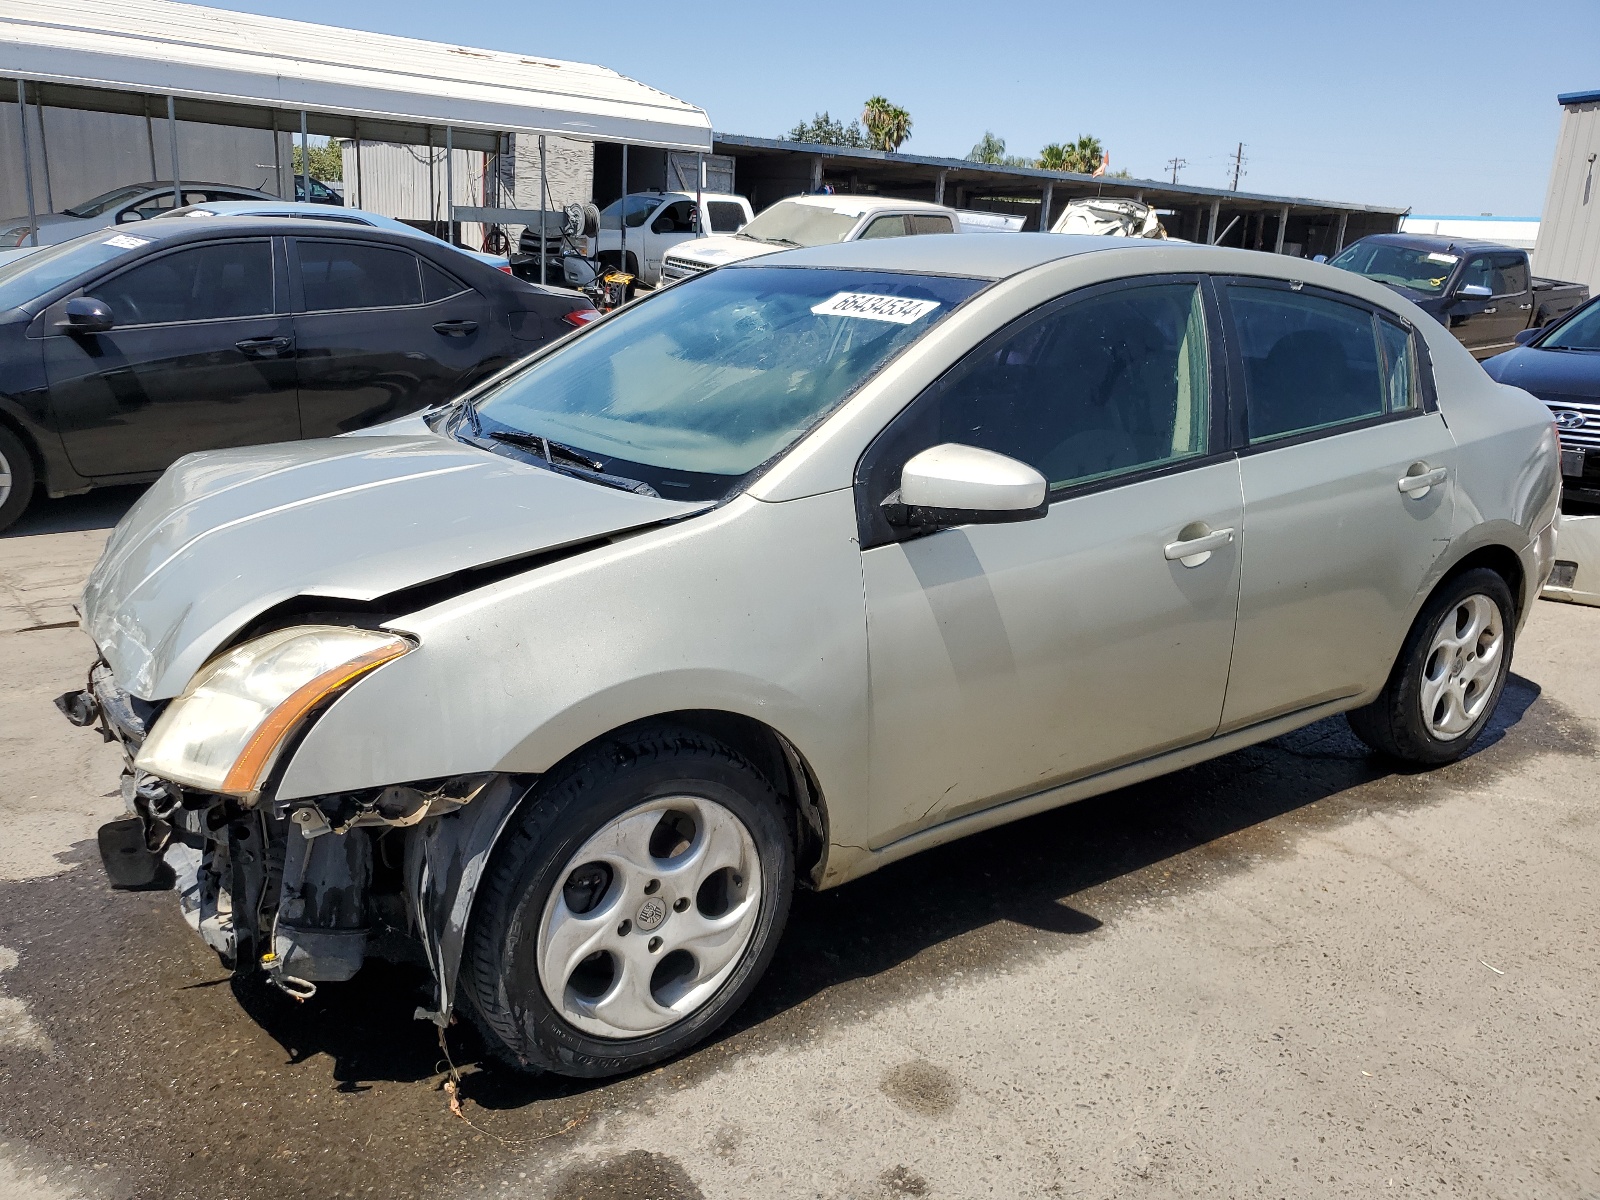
[(888, 125), (1053, 157), (989, 150), (1084, 155)]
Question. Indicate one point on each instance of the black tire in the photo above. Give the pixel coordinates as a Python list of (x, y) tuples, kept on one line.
[(500, 981), (1394, 723), (16, 462)]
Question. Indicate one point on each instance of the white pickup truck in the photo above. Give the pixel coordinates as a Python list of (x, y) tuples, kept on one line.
[(658, 221), (811, 221)]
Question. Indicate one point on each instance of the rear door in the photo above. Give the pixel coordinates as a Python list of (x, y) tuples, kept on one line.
[(381, 332), (201, 357), (1348, 473)]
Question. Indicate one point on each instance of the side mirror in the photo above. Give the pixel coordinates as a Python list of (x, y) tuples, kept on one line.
[(963, 485), (1473, 291), (85, 314), (1523, 337), (1319, 258), (132, 214)]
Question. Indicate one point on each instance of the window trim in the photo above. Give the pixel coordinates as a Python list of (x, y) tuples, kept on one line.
[(1238, 386), (297, 285), (1219, 399), (87, 289)]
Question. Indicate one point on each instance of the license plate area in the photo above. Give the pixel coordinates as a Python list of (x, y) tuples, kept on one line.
[(1572, 463)]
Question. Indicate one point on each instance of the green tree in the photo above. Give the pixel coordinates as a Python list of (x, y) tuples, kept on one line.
[(888, 125), (327, 162), (990, 149), (825, 131), (1053, 157), (1082, 157)]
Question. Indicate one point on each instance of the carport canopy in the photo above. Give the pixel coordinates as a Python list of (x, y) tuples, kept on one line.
[(241, 69)]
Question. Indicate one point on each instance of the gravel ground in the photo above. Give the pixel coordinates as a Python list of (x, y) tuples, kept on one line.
[(1292, 972)]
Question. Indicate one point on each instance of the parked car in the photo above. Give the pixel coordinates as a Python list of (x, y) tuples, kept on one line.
[(321, 193), (319, 212), (120, 206), (1483, 293), (780, 575), (1560, 364), (1109, 216), (122, 351), (657, 222), (812, 221)]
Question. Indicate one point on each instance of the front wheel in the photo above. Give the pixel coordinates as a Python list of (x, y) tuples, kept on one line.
[(632, 905), (16, 477), (1449, 676)]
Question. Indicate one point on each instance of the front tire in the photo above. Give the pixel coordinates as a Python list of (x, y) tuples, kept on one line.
[(632, 904), (16, 478), (1448, 679)]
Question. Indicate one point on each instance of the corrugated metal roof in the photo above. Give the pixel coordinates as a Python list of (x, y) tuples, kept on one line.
[(165, 48)]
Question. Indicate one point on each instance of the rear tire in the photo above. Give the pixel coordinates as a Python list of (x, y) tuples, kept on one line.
[(632, 904), (1448, 678), (16, 478)]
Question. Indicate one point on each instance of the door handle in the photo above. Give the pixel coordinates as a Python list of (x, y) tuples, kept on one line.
[(1487, 311), (455, 328), (264, 347), (1524, 306), (1416, 481), (1191, 552)]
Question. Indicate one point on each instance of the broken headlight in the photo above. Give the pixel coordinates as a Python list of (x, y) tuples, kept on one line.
[(224, 733)]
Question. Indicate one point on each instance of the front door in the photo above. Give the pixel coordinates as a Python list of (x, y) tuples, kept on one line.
[(1008, 658), (382, 333), (201, 357), (1486, 326), (1349, 494), (674, 223)]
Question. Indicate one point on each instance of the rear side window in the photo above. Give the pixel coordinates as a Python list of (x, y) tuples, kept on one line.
[(438, 284), (202, 283), (933, 224), (344, 275), (726, 217), (1309, 362), (885, 227)]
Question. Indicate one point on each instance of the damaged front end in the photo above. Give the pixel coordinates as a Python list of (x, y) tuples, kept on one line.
[(303, 890)]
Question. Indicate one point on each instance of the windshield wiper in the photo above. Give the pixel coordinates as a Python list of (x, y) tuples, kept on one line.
[(550, 450), (773, 241)]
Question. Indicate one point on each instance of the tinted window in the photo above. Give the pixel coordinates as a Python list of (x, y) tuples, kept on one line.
[(1308, 362), (1100, 386), (1479, 272), (347, 275), (885, 227), (161, 202), (726, 217), (203, 283), (933, 224), (437, 284), (676, 218), (1510, 275)]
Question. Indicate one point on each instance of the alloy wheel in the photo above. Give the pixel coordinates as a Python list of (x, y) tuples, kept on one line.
[(652, 914), (1459, 672), (5, 477)]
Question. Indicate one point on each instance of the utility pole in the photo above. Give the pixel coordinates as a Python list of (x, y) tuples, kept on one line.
[(1238, 167), (1176, 165)]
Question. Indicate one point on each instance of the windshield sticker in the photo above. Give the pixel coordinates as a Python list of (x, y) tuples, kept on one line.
[(897, 309), (1444, 258), (123, 242)]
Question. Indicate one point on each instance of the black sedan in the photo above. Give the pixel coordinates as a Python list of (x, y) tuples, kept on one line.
[(1560, 364), (126, 349)]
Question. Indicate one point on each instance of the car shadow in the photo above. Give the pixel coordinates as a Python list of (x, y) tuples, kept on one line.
[(99, 509)]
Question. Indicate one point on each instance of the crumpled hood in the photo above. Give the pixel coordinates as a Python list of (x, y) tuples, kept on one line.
[(721, 248), (225, 535)]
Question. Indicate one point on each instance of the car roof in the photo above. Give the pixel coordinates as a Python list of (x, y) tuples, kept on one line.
[(272, 206), (171, 229), (1434, 241), (976, 255), (865, 204)]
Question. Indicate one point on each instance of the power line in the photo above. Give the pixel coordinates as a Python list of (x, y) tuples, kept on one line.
[(1176, 165)]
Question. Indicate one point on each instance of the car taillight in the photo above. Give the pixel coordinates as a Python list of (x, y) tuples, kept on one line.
[(506, 268), (580, 317)]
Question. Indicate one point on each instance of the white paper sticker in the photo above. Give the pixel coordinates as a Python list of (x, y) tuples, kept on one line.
[(1444, 258), (899, 310), (123, 242)]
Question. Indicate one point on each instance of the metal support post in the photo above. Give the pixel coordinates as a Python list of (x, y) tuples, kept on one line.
[(1211, 228), (150, 136), (1338, 241), (305, 158), (277, 158), (1044, 211), (27, 164), (359, 197), (544, 210), (44, 154), (177, 171), (622, 215), (699, 193), (816, 173), (450, 184), (1283, 222), (938, 186)]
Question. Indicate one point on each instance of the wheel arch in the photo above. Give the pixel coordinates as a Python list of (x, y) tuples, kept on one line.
[(1503, 561)]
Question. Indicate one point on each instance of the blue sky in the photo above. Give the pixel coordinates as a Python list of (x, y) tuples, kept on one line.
[(1447, 108)]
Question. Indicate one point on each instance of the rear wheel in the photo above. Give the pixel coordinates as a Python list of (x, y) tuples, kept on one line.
[(1449, 676), (631, 907), (16, 477)]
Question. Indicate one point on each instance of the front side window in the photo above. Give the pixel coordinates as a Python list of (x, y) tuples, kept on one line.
[(1309, 362), (1100, 386), (345, 275), (700, 384), (726, 217), (1479, 272), (636, 208), (201, 283), (885, 227)]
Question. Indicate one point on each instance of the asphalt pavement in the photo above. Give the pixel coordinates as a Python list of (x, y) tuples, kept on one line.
[(1292, 972)]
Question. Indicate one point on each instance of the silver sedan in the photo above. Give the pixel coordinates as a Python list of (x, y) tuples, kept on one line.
[(782, 574)]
